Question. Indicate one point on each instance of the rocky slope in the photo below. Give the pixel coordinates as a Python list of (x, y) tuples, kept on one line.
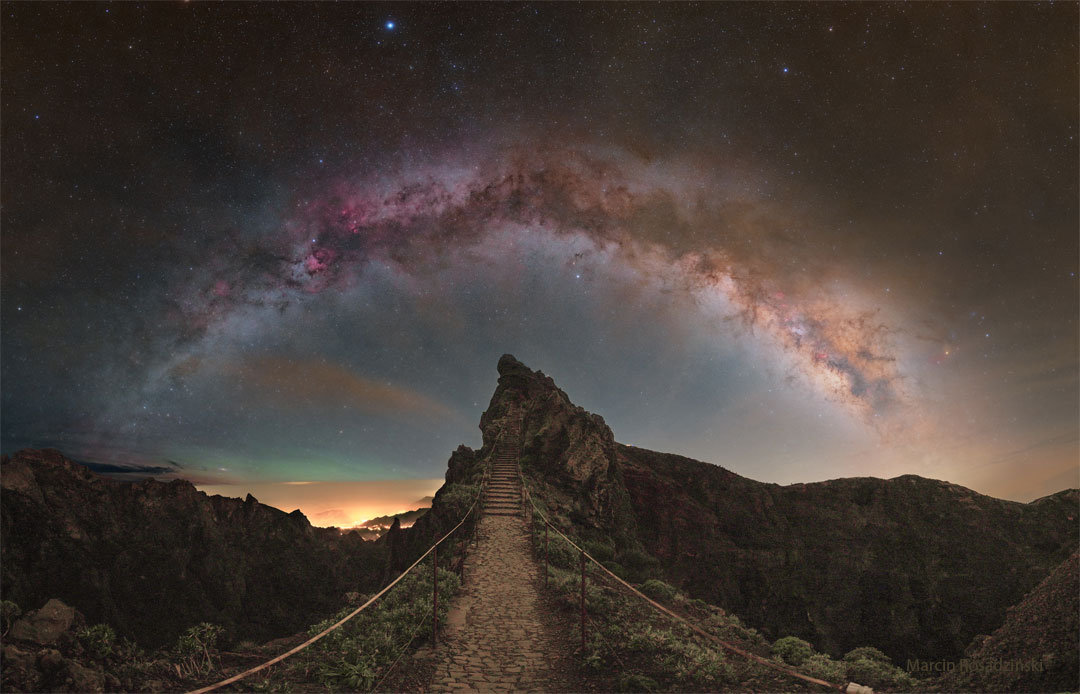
[(1037, 649), (153, 558), (913, 566)]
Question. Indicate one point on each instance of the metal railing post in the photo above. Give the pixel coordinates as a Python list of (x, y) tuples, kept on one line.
[(583, 602), (435, 596)]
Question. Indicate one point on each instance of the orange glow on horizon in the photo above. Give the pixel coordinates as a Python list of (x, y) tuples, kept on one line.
[(341, 504)]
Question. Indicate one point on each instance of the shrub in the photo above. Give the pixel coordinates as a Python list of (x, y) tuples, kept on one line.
[(600, 551), (270, 687), (194, 646), (563, 555), (354, 676), (615, 568), (866, 653), (357, 654), (637, 560), (637, 683), (728, 627), (825, 668), (658, 590), (879, 675), (457, 498), (98, 640), (793, 650)]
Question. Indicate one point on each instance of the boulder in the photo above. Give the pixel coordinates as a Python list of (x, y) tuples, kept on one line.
[(44, 626)]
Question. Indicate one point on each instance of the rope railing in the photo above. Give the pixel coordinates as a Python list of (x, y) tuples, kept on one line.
[(530, 504), (343, 620)]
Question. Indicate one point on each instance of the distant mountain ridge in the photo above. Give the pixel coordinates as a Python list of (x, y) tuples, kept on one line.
[(405, 518), (913, 566), (153, 558)]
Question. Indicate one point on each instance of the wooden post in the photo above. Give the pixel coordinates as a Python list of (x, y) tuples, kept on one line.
[(583, 602), (546, 570), (435, 595)]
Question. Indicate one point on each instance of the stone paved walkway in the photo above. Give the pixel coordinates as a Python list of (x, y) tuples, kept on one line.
[(501, 637)]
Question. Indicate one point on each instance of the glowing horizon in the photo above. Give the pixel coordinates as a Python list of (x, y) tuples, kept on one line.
[(335, 504)]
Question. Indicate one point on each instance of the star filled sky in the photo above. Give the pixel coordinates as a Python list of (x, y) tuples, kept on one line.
[(253, 244)]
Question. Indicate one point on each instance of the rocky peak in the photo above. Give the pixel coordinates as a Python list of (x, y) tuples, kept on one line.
[(561, 442)]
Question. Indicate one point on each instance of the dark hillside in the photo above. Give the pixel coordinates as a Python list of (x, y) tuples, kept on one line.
[(153, 558)]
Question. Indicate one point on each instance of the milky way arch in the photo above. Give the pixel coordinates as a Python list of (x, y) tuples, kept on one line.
[(707, 234)]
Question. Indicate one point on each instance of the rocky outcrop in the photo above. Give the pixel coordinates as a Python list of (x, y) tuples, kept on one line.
[(562, 444), (913, 566), (41, 654), (153, 558), (44, 626)]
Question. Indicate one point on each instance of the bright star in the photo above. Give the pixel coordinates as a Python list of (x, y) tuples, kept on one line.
[(785, 71), (390, 25)]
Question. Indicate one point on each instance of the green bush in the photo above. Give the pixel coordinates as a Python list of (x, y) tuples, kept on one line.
[(198, 639), (267, 686), (599, 551), (457, 498), (562, 555), (866, 653), (637, 683), (705, 667), (879, 675), (98, 640), (356, 655), (193, 649), (658, 590), (825, 668), (637, 560), (354, 674), (615, 568), (728, 627), (793, 650)]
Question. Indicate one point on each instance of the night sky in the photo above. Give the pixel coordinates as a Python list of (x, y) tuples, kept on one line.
[(253, 244)]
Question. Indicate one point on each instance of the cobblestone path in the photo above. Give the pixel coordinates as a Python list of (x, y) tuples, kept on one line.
[(500, 637)]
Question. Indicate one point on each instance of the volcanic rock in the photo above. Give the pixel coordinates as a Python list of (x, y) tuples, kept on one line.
[(44, 626)]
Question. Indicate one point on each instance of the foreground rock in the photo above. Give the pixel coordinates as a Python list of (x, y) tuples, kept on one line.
[(41, 654), (44, 626)]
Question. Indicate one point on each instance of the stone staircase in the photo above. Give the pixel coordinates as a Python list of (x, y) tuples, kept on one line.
[(503, 494)]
